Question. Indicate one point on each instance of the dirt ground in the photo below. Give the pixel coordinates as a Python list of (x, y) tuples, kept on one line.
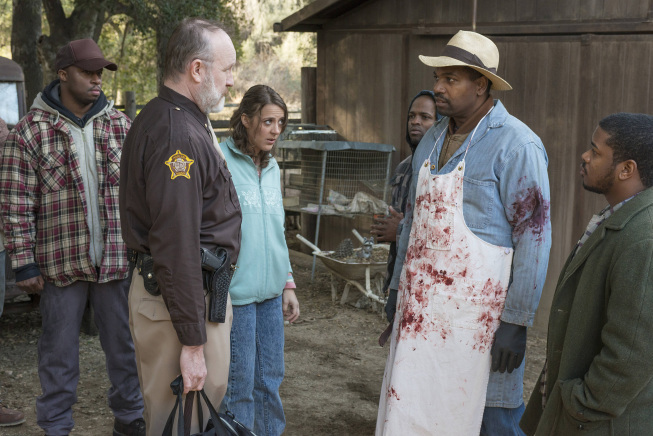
[(334, 366)]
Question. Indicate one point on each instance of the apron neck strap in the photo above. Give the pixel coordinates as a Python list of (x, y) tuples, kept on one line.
[(471, 137), (436, 143)]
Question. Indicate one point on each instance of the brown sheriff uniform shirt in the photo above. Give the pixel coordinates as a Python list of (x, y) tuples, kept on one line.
[(176, 194)]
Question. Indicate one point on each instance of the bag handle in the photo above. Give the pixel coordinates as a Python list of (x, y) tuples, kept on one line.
[(177, 387), (199, 412), (188, 413), (214, 414)]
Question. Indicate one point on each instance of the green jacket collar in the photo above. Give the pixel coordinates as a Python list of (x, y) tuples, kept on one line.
[(617, 222), (621, 217)]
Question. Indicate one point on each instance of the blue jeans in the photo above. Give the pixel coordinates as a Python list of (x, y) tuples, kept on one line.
[(499, 421), (257, 367)]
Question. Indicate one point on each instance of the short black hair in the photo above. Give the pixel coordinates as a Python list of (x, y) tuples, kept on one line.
[(631, 138)]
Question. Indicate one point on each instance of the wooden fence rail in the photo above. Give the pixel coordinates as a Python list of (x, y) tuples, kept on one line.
[(130, 108)]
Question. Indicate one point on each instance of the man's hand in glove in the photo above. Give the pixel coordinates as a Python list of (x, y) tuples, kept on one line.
[(391, 304), (509, 347)]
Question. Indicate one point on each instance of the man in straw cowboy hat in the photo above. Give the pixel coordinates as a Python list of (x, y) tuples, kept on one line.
[(471, 260)]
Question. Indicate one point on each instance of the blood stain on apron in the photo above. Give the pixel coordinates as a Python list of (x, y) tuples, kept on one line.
[(492, 300)]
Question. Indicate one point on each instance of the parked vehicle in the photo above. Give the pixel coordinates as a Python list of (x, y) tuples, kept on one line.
[(12, 109)]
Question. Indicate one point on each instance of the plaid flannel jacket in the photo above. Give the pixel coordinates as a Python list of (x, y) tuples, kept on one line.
[(42, 197)]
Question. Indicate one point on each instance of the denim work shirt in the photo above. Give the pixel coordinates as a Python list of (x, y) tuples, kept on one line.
[(506, 202), (400, 183)]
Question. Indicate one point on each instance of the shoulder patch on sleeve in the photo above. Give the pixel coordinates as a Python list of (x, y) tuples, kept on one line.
[(179, 165)]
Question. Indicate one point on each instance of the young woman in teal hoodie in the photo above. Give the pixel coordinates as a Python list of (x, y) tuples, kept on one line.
[(262, 289)]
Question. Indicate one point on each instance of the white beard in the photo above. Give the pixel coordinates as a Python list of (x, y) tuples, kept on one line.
[(210, 100), (219, 106)]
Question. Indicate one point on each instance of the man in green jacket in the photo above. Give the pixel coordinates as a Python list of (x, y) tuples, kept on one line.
[(598, 374)]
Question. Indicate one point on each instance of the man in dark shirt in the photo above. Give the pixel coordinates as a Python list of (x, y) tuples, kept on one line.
[(176, 195), (421, 116)]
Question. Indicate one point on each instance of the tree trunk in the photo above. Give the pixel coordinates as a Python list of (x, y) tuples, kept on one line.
[(25, 32), (161, 46), (48, 45), (163, 33), (126, 31)]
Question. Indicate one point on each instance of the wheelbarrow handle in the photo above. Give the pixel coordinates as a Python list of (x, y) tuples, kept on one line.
[(358, 236), (307, 242)]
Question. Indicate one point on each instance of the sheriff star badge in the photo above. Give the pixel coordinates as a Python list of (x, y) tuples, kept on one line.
[(179, 165)]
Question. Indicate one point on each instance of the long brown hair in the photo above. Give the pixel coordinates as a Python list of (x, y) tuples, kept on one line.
[(253, 101)]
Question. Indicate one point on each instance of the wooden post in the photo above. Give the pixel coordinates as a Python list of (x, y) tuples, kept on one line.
[(130, 104), (309, 95)]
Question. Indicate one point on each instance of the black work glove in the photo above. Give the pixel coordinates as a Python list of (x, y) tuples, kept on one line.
[(509, 347), (391, 304)]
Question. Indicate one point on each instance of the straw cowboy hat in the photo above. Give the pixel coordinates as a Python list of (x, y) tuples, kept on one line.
[(473, 50)]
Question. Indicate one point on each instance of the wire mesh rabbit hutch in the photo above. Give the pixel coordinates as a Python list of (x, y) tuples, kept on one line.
[(324, 176)]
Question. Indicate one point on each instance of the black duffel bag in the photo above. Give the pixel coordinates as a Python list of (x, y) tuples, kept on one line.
[(219, 424)]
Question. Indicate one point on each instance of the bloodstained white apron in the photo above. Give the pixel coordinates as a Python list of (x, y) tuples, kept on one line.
[(451, 295)]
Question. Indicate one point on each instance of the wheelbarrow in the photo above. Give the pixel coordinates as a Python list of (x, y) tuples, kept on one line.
[(365, 275)]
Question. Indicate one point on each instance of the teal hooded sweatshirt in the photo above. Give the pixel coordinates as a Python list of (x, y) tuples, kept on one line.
[(263, 262)]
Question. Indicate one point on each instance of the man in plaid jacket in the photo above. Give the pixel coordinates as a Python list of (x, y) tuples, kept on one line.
[(59, 180)]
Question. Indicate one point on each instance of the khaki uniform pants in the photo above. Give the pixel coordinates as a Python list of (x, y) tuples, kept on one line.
[(157, 357)]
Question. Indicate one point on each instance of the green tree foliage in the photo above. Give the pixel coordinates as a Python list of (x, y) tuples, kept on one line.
[(135, 54), (159, 17), (134, 34), (274, 59), (5, 28), (138, 27)]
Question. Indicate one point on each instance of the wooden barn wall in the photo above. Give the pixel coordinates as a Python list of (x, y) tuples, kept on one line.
[(359, 91), (563, 85), (545, 74), (392, 13)]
